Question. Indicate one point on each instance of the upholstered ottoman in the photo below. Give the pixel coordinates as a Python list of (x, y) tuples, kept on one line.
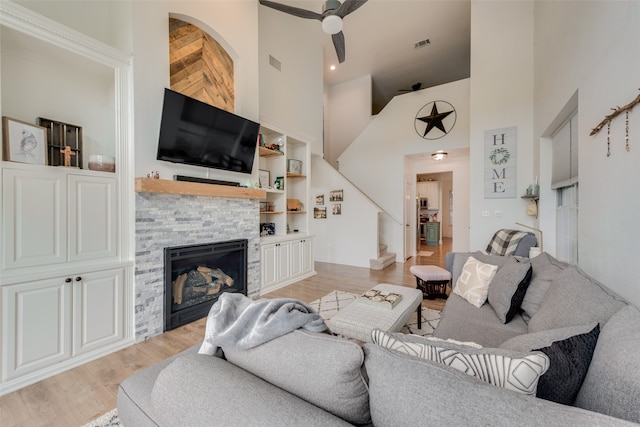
[(358, 319), (431, 280)]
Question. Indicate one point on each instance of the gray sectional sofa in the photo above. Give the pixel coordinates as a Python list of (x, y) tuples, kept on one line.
[(315, 379)]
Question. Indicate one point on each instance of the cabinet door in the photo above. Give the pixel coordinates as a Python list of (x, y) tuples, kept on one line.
[(36, 320), (92, 218), (268, 265), (98, 310), (433, 194), (296, 258), (34, 218), (307, 256), (283, 250), (433, 233)]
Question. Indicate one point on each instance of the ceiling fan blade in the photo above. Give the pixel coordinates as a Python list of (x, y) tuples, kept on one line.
[(338, 42), (349, 6), (295, 11)]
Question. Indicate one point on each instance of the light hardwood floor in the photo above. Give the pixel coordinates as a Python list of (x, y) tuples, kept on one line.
[(79, 395)]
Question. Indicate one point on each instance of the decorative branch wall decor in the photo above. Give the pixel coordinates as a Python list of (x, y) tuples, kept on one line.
[(607, 121), (615, 113)]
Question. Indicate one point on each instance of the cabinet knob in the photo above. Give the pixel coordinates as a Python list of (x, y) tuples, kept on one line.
[(78, 279), (68, 280)]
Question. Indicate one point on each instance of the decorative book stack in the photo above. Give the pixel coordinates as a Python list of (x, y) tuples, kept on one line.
[(379, 298)]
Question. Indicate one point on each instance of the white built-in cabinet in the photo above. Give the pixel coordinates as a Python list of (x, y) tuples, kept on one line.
[(431, 191), (66, 267), (286, 255)]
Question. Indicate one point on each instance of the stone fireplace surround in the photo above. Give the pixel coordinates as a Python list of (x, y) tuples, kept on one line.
[(165, 220)]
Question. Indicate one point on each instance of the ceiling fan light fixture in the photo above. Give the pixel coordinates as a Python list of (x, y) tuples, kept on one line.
[(439, 155), (332, 24)]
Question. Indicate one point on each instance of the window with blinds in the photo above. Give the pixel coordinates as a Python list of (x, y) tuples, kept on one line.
[(564, 179)]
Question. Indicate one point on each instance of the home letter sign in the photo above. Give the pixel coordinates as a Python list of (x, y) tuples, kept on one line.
[(500, 163)]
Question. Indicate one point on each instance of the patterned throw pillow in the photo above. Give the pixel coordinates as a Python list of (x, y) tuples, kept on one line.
[(474, 280), (514, 371)]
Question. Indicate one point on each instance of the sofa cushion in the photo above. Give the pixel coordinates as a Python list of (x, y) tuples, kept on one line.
[(460, 258), (574, 299), (474, 280), (508, 288), (408, 391), (612, 384), (320, 368), (570, 351), (463, 322), (201, 390), (544, 269), (516, 371)]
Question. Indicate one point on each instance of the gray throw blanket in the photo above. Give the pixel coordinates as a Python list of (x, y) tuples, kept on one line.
[(237, 321), (505, 242)]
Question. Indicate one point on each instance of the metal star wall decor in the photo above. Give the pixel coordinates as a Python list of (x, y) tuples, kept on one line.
[(435, 120)]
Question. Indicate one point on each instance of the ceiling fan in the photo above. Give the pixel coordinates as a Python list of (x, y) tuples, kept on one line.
[(414, 88), (331, 18)]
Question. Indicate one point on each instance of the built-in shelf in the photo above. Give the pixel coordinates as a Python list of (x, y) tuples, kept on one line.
[(150, 185), (270, 212), (295, 175), (266, 152), (296, 212), (529, 196)]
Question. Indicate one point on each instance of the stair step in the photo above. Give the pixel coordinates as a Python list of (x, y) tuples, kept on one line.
[(382, 249), (382, 262)]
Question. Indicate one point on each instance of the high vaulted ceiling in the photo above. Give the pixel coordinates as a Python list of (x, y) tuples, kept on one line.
[(380, 40)]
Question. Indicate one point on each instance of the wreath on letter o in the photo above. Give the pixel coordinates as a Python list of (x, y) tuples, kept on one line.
[(499, 156)]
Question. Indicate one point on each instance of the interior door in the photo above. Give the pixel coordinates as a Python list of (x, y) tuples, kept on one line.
[(409, 221)]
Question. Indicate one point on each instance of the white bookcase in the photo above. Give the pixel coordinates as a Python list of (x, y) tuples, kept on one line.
[(287, 254)]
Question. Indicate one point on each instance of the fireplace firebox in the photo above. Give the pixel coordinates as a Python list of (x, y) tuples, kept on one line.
[(196, 275)]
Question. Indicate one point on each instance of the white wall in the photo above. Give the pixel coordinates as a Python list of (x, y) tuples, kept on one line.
[(104, 20), (501, 96), (351, 237), (348, 112), (375, 160), (592, 48), (235, 25), (291, 98)]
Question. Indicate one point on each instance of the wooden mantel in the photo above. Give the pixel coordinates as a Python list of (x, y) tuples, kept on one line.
[(149, 185)]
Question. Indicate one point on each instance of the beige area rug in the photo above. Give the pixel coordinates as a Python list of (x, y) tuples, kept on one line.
[(331, 303), (110, 419), (425, 253)]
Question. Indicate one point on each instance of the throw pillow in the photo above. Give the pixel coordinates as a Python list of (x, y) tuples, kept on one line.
[(514, 371), (545, 269), (509, 287), (317, 367), (570, 351), (574, 299), (474, 280)]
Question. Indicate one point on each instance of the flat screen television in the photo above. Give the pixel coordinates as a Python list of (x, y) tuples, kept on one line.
[(195, 133)]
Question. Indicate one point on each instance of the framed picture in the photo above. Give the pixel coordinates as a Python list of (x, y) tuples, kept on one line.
[(278, 184), (264, 178), (320, 199), (337, 209), (336, 196), (320, 213), (267, 228), (294, 166), (24, 142)]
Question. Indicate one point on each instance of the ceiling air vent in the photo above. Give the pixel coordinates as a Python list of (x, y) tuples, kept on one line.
[(422, 43), (275, 63)]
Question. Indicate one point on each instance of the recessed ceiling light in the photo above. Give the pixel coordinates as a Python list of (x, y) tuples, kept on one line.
[(333, 67)]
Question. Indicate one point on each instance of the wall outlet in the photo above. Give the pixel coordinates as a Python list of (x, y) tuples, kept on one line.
[(498, 214), (485, 213)]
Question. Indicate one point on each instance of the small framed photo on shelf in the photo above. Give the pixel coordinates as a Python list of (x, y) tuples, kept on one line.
[(294, 166), (267, 228), (24, 142), (278, 184), (264, 178)]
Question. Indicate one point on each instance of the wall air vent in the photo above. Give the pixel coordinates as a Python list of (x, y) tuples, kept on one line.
[(275, 63), (422, 43)]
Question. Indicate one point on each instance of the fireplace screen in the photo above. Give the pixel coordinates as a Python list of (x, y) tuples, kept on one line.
[(196, 275)]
